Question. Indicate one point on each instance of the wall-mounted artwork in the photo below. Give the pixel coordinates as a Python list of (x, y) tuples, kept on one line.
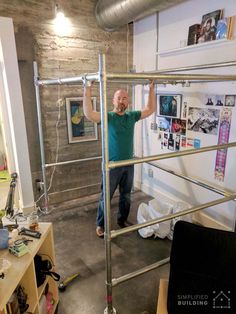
[(169, 105), (184, 109), (203, 120), (164, 124), (230, 100), (80, 129), (178, 126), (183, 141), (213, 100)]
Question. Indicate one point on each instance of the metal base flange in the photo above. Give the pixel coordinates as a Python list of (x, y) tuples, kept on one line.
[(113, 311)]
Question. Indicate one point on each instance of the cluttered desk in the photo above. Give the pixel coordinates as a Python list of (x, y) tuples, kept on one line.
[(23, 285)]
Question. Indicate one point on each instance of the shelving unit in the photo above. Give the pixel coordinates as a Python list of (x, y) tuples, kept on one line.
[(22, 272), (209, 44)]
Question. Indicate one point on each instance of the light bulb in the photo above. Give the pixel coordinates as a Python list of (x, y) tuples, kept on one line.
[(62, 25), (60, 15)]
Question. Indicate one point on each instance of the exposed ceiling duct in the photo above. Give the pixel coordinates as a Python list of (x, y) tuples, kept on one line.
[(112, 14)]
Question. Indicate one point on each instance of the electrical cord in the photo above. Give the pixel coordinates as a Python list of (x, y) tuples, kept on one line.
[(59, 103)]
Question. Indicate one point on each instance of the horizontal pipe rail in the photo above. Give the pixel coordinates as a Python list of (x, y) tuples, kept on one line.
[(160, 76), (199, 67), (128, 162), (69, 80), (71, 161), (185, 83), (192, 180), (77, 188), (170, 77), (116, 281), (116, 233)]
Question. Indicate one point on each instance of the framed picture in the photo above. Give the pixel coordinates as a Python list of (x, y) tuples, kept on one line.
[(80, 129), (230, 100), (169, 105), (184, 109), (208, 26)]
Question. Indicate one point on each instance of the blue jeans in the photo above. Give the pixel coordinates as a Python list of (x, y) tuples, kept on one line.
[(122, 176)]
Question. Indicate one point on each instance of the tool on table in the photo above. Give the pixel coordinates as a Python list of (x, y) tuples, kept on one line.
[(18, 248), (30, 233)]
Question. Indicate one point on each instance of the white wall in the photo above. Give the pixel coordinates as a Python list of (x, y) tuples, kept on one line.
[(173, 29), (13, 115), (144, 60)]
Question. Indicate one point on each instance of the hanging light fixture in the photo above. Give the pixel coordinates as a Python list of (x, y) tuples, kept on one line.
[(58, 12), (62, 25)]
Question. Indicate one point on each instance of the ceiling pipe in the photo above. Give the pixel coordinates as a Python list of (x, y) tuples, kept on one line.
[(112, 14)]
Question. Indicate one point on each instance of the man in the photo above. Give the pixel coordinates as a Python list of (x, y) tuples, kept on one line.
[(121, 132)]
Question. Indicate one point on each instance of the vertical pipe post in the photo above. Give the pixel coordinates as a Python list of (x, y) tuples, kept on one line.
[(106, 181), (41, 139)]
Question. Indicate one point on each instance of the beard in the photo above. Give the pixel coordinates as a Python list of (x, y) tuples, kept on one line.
[(121, 108)]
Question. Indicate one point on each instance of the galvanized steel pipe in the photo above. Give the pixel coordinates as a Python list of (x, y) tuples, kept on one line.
[(116, 233), (114, 164), (116, 281)]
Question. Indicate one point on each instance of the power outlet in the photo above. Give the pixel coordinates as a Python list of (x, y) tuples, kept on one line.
[(39, 185), (150, 173)]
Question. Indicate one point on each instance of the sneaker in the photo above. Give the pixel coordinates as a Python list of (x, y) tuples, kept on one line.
[(100, 232)]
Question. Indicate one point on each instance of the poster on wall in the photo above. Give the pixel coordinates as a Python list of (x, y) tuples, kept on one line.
[(177, 142), (224, 131), (183, 141), (213, 100), (196, 143), (169, 105), (178, 126), (203, 120), (184, 109), (164, 124)]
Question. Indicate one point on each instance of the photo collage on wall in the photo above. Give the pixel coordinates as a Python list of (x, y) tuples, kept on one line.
[(178, 115), (171, 122)]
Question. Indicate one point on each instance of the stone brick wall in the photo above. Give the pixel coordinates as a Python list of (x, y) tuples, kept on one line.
[(63, 56)]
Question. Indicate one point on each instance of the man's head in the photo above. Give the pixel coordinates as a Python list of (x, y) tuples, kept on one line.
[(120, 101)]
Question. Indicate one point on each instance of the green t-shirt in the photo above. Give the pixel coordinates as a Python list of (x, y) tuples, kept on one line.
[(121, 134)]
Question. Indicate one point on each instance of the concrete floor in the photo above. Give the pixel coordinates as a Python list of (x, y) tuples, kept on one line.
[(78, 249)]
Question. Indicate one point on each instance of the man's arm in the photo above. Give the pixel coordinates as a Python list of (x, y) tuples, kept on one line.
[(151, 104), (90, 114)]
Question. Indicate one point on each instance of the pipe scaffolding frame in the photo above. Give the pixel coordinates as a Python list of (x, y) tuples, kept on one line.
[(102, 77)]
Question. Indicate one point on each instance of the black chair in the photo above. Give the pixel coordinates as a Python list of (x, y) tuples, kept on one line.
[(202, 271)]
